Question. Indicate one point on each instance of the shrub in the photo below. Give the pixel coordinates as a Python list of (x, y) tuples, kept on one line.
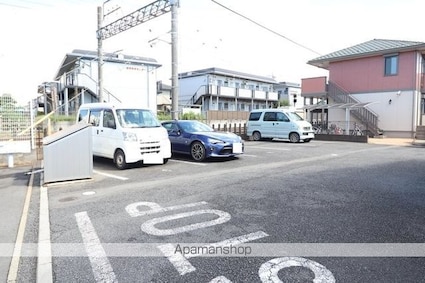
[(191, 116)]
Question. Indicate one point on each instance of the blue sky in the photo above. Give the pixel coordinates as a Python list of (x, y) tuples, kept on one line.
[(36, 35)]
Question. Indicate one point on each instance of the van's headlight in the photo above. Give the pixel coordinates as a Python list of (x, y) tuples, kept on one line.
[(131, 137)]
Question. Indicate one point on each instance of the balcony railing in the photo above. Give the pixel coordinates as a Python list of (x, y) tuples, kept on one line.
[(224, 91), (83, 80)]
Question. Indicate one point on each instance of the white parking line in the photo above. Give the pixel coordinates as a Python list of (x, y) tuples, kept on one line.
[(188, 162), (14, 264), (270, 148), (250, 155), (44, 262), (110, 175), (100, 264)]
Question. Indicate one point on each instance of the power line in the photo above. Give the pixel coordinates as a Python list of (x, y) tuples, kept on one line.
[(266, 28), (15, 6), (28, 4)]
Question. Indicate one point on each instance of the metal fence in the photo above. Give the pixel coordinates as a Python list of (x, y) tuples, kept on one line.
[(16, 131), (341, 128), (236, 128)]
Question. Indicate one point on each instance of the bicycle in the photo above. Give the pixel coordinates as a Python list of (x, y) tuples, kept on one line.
[(335, 130), (356, 131), (317, 129)]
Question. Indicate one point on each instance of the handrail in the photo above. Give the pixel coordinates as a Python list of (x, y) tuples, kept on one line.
[(366, 116), (193, 99), (94, 81)]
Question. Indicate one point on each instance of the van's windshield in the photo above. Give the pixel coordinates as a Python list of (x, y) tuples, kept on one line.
[(294, 116), (137, 118)]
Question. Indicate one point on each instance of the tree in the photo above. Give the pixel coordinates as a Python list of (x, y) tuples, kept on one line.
[(12, 117), (6, 100)]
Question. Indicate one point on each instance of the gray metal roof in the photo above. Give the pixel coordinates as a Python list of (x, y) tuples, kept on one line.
[(77, 54), (337, 105), (366, 49), (228, 73)]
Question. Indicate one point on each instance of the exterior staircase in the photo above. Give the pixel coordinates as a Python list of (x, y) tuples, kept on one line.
[(365, 116), (420, 133)]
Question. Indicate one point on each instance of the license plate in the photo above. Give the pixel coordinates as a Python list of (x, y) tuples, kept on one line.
[(237, 147), (152, 159)]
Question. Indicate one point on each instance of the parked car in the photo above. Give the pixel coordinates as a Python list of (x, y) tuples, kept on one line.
[(126, 134), (278, 123), (200, 141)]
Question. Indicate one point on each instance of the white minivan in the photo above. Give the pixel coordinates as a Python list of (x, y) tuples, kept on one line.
[(126, 134), (278, 123)]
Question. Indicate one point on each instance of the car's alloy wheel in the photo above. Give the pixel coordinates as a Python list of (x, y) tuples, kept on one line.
[(119, 159), (197, 151), (294, 137)]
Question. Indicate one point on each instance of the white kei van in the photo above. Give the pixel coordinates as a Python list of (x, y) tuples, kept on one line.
[(126, 134), (278, 123)]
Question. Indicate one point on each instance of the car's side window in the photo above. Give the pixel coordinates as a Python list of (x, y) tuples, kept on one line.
[(170, 127), (255, 116), (94, 117), (167, 126), (83, 115), (108, 119), (282, 117), (270, 116)]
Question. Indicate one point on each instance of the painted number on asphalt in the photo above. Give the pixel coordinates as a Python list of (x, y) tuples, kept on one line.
[(268, 272)]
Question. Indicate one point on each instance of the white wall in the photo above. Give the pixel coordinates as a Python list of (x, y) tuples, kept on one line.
[(132, 84), (189, 86), (397, 116)]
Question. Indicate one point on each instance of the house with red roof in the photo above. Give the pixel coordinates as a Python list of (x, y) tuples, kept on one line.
[(377, 85)]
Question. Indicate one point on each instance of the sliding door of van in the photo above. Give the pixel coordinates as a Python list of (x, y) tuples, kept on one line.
[(282, 126), (268, 125)]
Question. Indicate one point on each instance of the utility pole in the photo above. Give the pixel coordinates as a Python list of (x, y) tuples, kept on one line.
[(174, 62), (99, 55)]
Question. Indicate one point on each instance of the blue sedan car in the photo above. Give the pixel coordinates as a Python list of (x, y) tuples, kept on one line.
[(200, 141)]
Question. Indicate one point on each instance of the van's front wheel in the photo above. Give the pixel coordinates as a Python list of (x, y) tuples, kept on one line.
[(119, 160), (294, 137)]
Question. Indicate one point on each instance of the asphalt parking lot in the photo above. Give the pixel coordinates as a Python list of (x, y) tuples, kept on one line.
[(276, 193), (256, 153)]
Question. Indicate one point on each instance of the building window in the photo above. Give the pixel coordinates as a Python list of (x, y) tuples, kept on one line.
[(391, 65)]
